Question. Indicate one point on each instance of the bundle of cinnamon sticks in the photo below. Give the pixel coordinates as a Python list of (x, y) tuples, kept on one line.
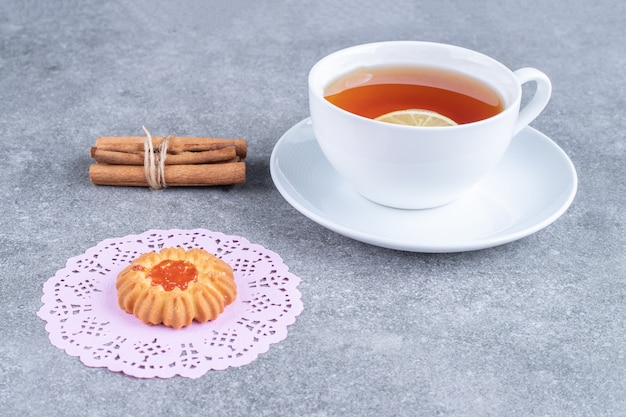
[(187, 161)]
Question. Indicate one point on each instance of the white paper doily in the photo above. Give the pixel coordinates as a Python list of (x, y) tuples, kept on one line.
[(84, 319)]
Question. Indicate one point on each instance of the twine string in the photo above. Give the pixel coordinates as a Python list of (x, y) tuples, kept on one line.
[(154, 161)]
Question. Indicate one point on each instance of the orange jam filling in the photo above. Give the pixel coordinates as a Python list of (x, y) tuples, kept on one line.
[(171, 274)]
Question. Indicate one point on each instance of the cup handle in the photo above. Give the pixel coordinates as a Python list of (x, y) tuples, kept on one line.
[(539, 100)]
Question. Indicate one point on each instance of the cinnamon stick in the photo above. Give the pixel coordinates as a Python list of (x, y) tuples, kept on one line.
[(135, 144), (175, 175), (184, 158)]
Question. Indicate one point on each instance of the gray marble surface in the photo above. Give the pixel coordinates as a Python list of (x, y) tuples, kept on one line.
[(532, 328)]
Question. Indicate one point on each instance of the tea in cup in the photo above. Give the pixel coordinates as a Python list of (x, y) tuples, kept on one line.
[(462, 109)]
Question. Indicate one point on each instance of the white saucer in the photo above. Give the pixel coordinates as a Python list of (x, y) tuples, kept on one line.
[(532, 187)]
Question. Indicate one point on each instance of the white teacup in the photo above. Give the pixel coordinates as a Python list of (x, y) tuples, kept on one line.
[(413, 167)]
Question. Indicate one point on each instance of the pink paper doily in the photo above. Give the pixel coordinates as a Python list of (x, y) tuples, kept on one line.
[(84, 319)]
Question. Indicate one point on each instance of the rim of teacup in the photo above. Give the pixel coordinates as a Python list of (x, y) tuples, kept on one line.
[(317, 88)]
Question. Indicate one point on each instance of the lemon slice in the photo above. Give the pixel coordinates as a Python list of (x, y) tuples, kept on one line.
[(416, 117)]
